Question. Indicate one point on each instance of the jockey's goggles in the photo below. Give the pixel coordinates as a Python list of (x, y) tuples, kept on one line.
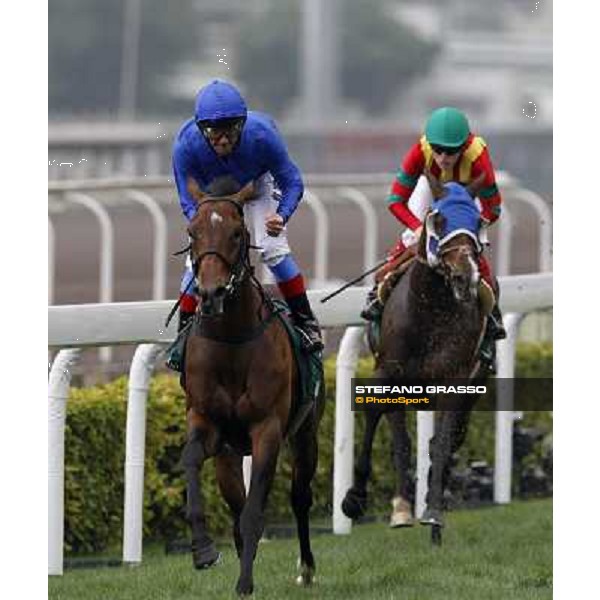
[(215, 130), (446, 150)]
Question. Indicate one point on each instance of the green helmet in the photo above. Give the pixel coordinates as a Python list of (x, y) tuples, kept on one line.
[(447, 127)]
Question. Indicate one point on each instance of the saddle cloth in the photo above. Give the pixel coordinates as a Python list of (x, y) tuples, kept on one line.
[(310, 370)]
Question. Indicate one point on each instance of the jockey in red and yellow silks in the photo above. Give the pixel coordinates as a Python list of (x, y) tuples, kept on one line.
[(451, 152), (473, 160)]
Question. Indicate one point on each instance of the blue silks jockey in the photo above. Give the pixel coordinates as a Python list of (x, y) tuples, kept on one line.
[(224, 139)]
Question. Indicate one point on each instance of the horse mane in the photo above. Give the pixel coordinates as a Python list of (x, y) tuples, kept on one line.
[(223, 186)]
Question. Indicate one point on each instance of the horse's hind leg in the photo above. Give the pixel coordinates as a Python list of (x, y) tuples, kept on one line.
[(402, 514), (204, 552), (305, 455), (266, 441), (355, 501), (231, 483)]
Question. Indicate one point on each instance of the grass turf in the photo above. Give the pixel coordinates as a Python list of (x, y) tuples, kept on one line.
[(493, 553)]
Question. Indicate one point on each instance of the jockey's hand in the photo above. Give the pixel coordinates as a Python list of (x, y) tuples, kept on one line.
[(274, 225), (418, 232)]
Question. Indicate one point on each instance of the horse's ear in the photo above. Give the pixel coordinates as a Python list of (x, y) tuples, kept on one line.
[(245, 194), (194, 190), (476, 185), (437, 189)]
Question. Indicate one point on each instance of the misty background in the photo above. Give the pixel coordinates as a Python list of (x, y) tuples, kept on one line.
[(350, 82)]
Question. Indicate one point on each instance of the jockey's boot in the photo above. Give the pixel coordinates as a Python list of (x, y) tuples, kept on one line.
[(494, 330), (373, 307), (175, 350), (305, 320)]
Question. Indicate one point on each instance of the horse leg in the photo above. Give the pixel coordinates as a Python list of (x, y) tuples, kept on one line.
[(402, 514), (355, 501), (266, 441), (458, 435), (305, 455), (204, 552), (231, 483), (439, 452)]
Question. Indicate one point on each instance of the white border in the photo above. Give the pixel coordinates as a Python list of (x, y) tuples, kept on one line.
[(576, 331), (23, 248)]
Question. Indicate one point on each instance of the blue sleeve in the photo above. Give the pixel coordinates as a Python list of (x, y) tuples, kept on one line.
[(286, 174), (182, 170)]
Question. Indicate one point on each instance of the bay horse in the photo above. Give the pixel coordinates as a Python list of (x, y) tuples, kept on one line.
[(241, 385), (431, 327)]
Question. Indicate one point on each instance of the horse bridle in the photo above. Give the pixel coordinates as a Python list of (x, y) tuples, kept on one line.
[(463, 249), (241, 266)]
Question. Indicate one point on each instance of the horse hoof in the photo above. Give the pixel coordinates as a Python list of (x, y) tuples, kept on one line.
[(244, 588), (207, 557), (307, 575), (354, 504), (401, 514), (432, 517), (401, 519), (436, 535)]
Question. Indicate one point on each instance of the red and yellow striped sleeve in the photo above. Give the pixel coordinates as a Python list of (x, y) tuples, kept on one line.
[(489, 195), (404, 183)]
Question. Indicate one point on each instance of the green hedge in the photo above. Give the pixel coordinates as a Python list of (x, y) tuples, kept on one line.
[(95, 454)]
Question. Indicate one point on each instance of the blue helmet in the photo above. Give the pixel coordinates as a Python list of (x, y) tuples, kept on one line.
[(220, 100)]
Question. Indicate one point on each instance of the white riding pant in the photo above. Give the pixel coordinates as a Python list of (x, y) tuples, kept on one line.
[(419, 202), (255, 213)]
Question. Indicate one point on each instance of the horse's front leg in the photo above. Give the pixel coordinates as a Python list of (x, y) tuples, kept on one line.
[(230, 478), (440, 451), (266, 442), (402, 503), (204, 552), (355, 501)]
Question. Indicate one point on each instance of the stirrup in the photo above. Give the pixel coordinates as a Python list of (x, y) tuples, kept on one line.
[(310, 338), (173, 361), (487, 356), (311, 344), (372, 311), (499, 331)]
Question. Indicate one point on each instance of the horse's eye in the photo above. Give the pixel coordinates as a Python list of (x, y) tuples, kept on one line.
[(237, 234)]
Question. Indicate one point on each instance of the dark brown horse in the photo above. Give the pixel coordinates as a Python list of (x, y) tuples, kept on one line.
[(241, 383), (431, 328)]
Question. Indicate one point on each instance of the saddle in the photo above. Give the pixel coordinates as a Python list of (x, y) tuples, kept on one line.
[(388, 276), (310, 369)]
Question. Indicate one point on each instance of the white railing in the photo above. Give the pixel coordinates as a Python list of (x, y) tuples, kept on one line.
[(343, 188), (73, 327)]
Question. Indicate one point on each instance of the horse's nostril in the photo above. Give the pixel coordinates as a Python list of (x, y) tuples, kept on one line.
[(220, 291)]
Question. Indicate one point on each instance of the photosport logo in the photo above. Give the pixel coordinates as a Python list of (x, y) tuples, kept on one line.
[(452, 394)]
